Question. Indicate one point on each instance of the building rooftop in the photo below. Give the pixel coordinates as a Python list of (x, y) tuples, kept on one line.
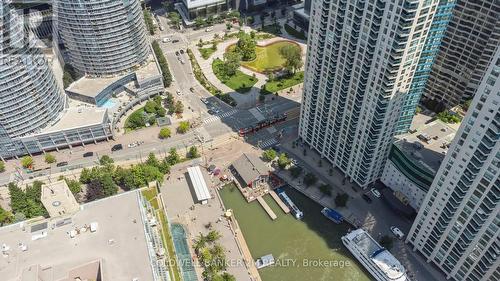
[(250, 167), (47, 248), (93, 86), (199, 3), (58, 199), (382, 258), (77, 117), (427, 141), (199, 183)]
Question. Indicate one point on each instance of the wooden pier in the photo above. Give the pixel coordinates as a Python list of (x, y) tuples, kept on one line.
[(266, 207), (278, 200)]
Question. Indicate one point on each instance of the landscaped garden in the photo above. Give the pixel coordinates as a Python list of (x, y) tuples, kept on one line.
[(145, 116), (284, 82), (268, 58), (238, 81)]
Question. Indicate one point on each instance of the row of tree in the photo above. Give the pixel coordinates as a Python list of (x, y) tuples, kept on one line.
[(162, 61), (212, 257)]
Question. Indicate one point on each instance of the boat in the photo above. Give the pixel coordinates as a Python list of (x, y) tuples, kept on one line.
[(332, 215), (297, 213), (381, 264), (264, 261)]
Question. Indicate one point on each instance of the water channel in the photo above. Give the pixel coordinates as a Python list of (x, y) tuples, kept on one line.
[(306, 250)]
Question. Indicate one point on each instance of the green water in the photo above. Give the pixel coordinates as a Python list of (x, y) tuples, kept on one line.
[(297, 246)]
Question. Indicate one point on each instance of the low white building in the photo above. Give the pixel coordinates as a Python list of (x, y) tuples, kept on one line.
[(415, 158), (58, 199), (199, 185)]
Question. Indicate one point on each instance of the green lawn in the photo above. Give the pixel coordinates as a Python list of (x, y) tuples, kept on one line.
[(297, 34), (268, 57), (239, 82), (206, 52), (284, 83)]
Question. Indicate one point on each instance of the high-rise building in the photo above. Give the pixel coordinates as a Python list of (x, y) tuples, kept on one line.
[(103, 37), (361, 62), (458, 225), (431, 48), (34, 114), (467, 47), (26, 104)]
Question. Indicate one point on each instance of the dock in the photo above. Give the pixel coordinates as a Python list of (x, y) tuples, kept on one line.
[(266, 207), (280, 203)]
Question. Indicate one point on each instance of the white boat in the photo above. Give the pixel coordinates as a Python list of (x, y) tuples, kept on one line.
[(264, 261), (297, 213), (381, 264)]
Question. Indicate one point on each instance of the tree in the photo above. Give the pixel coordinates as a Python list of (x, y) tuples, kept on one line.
[(199, 22), (269, 155), (150, 106), (228, 26), (165, 133), (28, 201), (283, 161), (27, 162), (106, 160), (6, 217), (73, 185), (386, 242), (341, 200), (173, 157), (2, 166), (326, 189), (179, 107), (175, 19), (49, 158), (246, 46), (136, 120), (148, 18), (183, 127), (293, 57), (162, 61), (232, 62), (295, 171), (213, 236), (193, 153), (310, 179)]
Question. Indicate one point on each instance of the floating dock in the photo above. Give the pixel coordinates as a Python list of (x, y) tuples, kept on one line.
[(297, 213), (266, 207), (280, 203)]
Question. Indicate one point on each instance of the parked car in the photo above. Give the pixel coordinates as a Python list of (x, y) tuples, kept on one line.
[(178, 92), (117, 147), (397, 232), (134, 144), (181, 51), (208, 29), (88, 154), (375, 192), (204, 100), (165, 40), (161, 28), (211, 112), (177, 53), (61, 164), (175, 41), (366, 198)]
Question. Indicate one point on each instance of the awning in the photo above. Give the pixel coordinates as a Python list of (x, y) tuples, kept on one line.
[(199, 184)]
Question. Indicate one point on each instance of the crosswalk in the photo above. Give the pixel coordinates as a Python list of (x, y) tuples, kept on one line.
[(218, 117), (267, 143)]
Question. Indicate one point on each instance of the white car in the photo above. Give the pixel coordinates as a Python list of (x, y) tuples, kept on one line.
[(397, 232), (208, 29), (375, 192), (134, 144), (178, 92), (165, 40)]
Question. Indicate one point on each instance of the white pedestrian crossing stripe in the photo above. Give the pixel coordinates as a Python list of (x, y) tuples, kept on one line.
[(267, 143), (218, 117)]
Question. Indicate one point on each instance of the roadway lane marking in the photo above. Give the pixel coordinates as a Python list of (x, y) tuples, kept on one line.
[(255, 112), (219, 117)]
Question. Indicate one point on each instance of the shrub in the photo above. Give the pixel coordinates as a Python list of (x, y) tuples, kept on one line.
[(310, 179), (269, 155), (164, 133), (49, 158), (341, 200), (183, 127), (27, 162)]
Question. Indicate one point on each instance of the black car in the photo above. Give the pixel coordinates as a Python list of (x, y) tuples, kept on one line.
[(88, 154), (182, 51), (366, 198), (117, 147), (175, 41), (176, 53), (211, 112), (61, 164)]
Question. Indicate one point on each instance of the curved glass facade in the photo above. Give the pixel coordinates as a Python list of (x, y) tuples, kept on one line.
[(30, 98), (103, 37)]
